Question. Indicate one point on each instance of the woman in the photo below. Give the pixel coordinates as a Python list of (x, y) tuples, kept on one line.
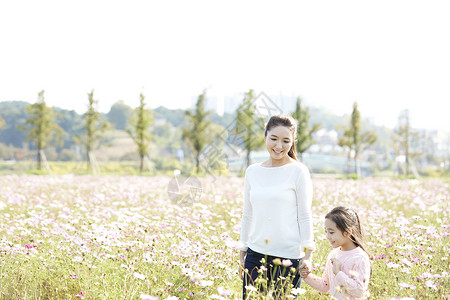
[(277, 219)]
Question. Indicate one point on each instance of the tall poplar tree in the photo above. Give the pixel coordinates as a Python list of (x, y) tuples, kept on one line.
[(195, 133), (95, 127), (404, 138), (140, 132), (355, 140), (43, 129), (304, 132), (249, 126)]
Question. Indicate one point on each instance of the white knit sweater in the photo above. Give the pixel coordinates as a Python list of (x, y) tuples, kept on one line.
[(277, 217)]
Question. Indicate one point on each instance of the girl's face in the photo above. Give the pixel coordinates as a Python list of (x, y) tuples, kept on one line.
[(336, 237), (278, 142)]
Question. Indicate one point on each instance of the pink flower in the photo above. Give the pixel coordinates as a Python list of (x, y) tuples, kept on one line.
[(80, 295), (287, 262), (381, 256), (74, 276)]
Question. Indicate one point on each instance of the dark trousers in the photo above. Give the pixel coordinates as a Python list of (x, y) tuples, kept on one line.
[(273, 272)]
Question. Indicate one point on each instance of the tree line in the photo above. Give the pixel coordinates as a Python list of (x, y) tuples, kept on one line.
[(42, 130)]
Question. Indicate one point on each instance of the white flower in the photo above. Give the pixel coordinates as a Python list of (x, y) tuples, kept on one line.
[(430, 283), (250, 288), (139, 276), (205, 283), (148, 297), (406, 285), (223, 292), (392, 265), (298, 291), (407, 262)]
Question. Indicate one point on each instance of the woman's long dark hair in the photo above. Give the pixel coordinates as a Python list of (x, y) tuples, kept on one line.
[(286, 121), (347, 220)]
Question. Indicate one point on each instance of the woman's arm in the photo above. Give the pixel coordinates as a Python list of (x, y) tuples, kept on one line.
[(304, 194), (246, 217), (245, 226), (242, 255)]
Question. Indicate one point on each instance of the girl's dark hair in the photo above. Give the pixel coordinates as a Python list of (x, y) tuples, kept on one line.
[(286, 121), (347, 219)]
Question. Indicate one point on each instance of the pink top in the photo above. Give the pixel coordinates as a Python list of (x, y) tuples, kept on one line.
[(352, 282)]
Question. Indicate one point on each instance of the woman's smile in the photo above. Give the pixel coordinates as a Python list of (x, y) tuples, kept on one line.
[(279, 142)]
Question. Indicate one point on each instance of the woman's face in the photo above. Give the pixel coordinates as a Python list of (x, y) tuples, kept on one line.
[(278, 142)]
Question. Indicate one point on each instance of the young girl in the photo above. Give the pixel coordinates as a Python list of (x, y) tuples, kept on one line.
[(347, 270), (277, 218)]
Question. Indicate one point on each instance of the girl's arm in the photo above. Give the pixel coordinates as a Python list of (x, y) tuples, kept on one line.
[(357, 281), (320, 284)]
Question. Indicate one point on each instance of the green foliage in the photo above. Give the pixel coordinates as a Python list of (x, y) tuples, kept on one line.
[(435, 172), (119, 115), (173, 116), (95, 128), (14, 115), (67, 155), (354, 140), (404, 139), (249, 126), (72, 124), (167, 137), (195, 132), (41, 126), (304, 131), (351, 176), (140, 132), (2, 122), (162, 163), (37, 172)]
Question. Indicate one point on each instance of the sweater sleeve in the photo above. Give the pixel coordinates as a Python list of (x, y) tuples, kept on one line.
[(304, 190), (355, 283), (320, 284), (246, 216)]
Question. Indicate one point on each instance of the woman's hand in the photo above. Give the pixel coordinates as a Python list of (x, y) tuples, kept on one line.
[(336, 265), (242, 255)]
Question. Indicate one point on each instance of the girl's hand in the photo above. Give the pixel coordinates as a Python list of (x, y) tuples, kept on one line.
[(305, 268), (304, 273), (336, 265)]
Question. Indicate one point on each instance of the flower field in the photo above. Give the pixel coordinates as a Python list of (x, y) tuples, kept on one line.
[(123, 237)]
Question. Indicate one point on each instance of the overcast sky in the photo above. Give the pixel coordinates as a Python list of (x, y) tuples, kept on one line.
[(386, 55)]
